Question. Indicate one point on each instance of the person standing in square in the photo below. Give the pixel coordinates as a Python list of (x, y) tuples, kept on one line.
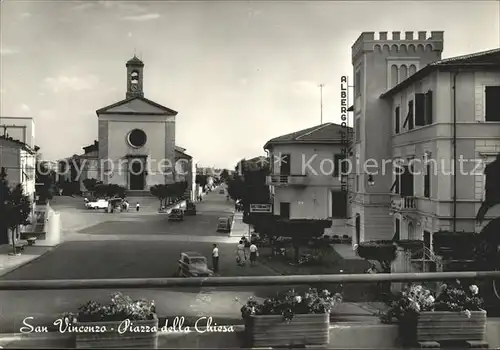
[(254, 252), (215, 258)]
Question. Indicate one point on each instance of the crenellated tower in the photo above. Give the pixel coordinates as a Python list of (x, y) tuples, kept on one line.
[(379, 64)]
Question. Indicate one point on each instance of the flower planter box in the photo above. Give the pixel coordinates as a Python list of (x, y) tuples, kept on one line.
[(446, 325), (436, 326), (111, 338), (273, 330)]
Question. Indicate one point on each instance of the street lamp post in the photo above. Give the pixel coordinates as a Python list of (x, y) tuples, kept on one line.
[(321, 100)]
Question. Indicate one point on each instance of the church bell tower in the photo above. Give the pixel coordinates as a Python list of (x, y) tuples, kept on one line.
[(135, 68)]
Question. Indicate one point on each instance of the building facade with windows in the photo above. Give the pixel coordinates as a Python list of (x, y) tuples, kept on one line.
[(19, 128), (136, 138), (18, 160), (431, 111), (185, 170), (305, 180)]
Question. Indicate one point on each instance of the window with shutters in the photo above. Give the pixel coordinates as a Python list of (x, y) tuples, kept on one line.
[(409, 121), (397, 120), (396, 184), (428, 108), (487, 159), (427, 181), (339, 204), (357, 82), (285, 164), (492, 104), (419, 109), (423, 109), (407, 189)]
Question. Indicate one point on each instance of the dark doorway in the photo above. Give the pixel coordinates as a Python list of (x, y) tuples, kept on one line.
[(136, 175), (285, 210), (397, 233), (358, 229), (427, 239)]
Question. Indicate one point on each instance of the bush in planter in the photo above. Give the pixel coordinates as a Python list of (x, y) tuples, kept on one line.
[(382, 251), (120, 308), (290, 304), (103, 325), (291, 319), (454, 313)]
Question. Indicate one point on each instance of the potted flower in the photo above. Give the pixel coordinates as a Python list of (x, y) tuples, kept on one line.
[(121, 323), (290, 319), (454, 313)]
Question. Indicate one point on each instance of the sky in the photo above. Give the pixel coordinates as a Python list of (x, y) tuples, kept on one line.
[(239, 73)]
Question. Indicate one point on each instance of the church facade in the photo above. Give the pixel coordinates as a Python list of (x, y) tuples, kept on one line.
[(136, 138)]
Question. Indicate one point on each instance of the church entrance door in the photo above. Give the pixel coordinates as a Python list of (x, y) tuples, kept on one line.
[(137, 175)]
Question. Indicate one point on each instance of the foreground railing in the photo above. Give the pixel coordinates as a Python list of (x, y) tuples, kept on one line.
[(243, 281)]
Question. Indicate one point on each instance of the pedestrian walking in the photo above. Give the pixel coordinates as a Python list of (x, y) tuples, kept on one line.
[(215, 258), (137, 206), (254, 253), (241, 255)]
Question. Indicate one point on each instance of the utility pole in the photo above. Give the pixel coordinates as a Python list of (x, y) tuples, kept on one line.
[(321, 100)]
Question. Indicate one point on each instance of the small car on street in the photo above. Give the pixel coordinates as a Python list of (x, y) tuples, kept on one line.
[(224, 224), (221, 191), (97, 204), (176, 215), (193, 264), (190, 209)]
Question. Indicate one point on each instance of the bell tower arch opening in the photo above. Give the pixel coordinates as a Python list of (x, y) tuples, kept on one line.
[(135, 78)]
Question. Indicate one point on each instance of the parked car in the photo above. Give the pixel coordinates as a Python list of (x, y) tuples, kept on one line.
[(193, 264), (176, 215), (190, 209), (97, 204), (224, 224), (221, 191)]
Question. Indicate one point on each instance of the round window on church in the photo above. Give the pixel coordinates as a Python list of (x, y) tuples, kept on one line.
[(137, 138)]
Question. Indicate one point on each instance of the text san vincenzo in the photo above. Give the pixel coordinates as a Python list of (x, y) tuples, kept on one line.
[(202, 325)]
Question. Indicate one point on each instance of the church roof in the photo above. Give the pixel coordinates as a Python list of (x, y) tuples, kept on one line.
[(135, 61), (164, 110)]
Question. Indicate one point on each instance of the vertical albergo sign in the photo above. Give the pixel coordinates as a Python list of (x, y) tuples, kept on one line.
[(344, 133)]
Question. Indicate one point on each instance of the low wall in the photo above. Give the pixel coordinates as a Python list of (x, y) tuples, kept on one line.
[(342, 336)]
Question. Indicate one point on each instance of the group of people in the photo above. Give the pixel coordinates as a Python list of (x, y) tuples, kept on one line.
[(241, 254), (125, 205)]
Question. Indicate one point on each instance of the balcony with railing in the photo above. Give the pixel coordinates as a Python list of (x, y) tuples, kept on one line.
[(287, 180), (404, 203)]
